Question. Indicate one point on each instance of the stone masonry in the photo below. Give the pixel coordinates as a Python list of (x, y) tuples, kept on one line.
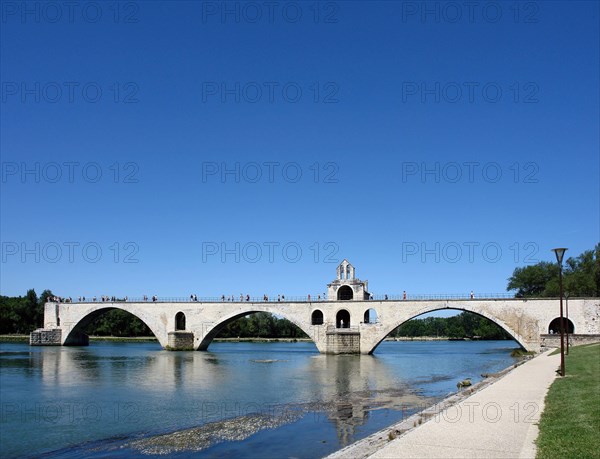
[(526, 320)]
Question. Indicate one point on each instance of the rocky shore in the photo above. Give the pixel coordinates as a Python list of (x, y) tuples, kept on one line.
[(343, 408)]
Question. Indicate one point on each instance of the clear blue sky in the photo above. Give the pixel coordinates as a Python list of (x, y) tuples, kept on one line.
[(375, 93)]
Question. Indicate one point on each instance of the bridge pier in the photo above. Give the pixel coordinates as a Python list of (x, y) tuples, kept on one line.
[(180, 341), (46, 337), (342, 341)]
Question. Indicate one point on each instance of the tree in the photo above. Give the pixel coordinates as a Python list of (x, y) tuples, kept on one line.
[(46, 294), (531, 281), (582, 274), (581, 277), (21, 314), (117, 322), (9, 314), (31, 314), (463, 325), (261, 325)]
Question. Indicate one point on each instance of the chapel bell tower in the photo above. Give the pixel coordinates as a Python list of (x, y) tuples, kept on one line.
[(347, 287)]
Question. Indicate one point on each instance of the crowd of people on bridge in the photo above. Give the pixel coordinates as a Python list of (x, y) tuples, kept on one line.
[(103, 299), (194, 298), (60, 299)]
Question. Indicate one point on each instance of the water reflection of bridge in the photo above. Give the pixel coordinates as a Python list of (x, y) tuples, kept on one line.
[(341, 390), (353, 386)]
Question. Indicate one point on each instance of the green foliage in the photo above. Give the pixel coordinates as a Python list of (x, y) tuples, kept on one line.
[(570, 422), (261, 325), (21, 314), (464, 325), (581, 277), (582, 274), (531, 281), (118, 323)]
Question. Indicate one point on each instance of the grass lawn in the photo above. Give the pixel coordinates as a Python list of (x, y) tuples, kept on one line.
[(570, 423)]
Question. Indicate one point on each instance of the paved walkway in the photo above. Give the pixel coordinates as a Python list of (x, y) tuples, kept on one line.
[(499, 421)]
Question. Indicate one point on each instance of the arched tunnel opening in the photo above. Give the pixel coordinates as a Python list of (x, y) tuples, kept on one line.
[(554, 327)]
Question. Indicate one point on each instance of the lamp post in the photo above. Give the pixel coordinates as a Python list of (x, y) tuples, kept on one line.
[(567, 314), (560, 253)]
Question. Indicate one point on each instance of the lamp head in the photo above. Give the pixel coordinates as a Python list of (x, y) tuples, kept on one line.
[(560, 253)]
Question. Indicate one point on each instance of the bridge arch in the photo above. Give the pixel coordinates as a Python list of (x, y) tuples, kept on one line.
[(73, 330), (460, 307), (210, 331)]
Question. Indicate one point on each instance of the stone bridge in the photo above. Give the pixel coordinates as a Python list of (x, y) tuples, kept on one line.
[(334, 326), (347, 322)]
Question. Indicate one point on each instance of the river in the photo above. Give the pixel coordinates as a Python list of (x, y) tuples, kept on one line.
[(246, 400)]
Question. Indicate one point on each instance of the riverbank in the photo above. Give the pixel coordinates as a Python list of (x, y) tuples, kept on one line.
[(419, 338), (14, 338), (494, 418)]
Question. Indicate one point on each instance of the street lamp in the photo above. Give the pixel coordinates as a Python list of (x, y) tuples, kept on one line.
[(560, 253), (567, 314)]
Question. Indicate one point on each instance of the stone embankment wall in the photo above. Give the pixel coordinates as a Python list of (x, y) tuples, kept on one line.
[(574, 340)]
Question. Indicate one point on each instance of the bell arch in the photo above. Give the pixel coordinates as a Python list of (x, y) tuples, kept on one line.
[(345, 293)]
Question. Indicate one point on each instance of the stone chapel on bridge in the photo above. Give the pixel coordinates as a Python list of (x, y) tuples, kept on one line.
[(347, 287)]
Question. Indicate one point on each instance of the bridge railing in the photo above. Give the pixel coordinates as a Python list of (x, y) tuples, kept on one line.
[(442, 296), (293, 299), (209, 299)]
